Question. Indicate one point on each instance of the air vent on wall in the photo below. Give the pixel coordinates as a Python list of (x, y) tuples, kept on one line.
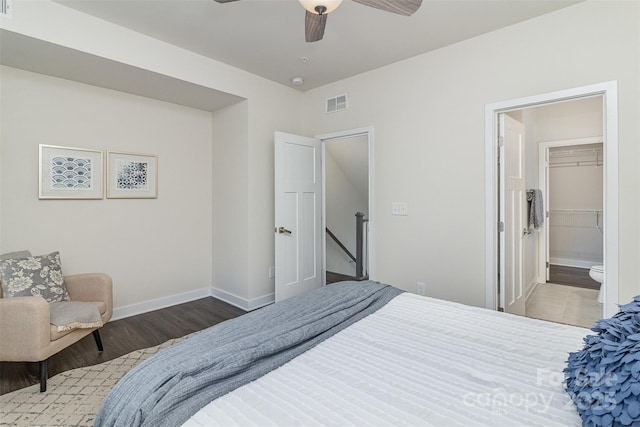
[(6, 8), (337, 103)]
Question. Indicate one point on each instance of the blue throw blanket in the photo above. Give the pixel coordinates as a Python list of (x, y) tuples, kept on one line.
[(171, 386)]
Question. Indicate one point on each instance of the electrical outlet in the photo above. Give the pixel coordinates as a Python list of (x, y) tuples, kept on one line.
[(272, 272), (421, 288)]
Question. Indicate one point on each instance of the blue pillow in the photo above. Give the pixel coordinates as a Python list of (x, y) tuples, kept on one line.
[(603, 379)]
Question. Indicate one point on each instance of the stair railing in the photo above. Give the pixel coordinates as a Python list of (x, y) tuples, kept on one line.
[(341, 245), (361, 246)]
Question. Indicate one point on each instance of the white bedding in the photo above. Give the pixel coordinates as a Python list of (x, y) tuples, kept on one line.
[(417, 361)]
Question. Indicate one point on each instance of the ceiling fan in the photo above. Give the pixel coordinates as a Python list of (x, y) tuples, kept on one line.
[(317, 11)]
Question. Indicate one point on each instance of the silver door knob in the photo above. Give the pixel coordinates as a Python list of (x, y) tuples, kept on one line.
[(282, 230)]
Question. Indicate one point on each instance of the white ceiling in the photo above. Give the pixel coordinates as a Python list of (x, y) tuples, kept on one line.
[(42, 57), (266, 37)]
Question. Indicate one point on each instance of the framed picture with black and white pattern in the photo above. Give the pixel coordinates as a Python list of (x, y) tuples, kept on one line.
[(70, 173), (132, 175)]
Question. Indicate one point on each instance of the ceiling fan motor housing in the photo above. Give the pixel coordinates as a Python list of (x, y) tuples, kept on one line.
[(320, 7)]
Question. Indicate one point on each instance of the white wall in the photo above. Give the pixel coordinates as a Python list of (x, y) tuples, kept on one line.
[(569, 120), (271, 108), (152, 248), (230, 260), (430, 137), (248, 172)]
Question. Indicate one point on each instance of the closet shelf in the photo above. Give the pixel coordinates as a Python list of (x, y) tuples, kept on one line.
[(576, 218)]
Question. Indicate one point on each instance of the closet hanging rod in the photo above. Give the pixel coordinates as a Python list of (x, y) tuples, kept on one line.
[(590, 211), (575, 164)]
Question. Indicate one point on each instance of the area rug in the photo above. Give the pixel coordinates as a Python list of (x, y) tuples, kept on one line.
[(73, 398)]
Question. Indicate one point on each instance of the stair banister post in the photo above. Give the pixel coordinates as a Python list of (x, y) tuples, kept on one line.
[(359, 245)]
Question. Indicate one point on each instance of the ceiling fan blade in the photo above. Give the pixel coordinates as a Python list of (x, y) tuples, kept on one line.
[(401, 7), (314, 26), (225, 1)]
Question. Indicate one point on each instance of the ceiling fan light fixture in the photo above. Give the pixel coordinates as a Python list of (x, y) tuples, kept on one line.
[(320, 7)]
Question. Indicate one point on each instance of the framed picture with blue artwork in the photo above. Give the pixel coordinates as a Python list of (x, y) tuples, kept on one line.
[(132, 175), (70, 173)]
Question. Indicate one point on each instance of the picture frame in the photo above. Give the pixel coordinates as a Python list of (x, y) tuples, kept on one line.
[(70, 173), (132, 175)]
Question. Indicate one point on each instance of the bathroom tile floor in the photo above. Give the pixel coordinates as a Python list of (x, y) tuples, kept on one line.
[(564, 304)]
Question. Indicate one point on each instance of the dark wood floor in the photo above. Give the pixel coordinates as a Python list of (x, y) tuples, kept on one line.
[(572, 276), (337, 277), (121, 337)]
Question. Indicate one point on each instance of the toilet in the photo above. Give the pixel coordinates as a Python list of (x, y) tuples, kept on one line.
[(597, 273)]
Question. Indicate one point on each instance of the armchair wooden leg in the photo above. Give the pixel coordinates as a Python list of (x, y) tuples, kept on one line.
[(96, 336), (43, 375)]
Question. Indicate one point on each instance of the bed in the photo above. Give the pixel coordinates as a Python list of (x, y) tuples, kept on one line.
[(379, 357)]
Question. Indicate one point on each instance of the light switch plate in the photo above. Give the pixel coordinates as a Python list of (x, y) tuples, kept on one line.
[(399, 208)]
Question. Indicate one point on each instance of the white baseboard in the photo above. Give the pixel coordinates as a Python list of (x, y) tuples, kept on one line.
[(567, 262), (243, 303), (158, 303)]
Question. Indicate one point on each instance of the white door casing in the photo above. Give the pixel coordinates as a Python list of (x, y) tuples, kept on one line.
[(609, 91), (298, 209), (512, 214), (370, 238), (543, 246)]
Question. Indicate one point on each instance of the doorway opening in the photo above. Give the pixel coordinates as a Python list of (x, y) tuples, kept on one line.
[(605, 95), (346, 172), (570, 163), (347, 205), (568, 241)]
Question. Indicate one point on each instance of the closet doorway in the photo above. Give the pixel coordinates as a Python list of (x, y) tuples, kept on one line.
[(571, 176)]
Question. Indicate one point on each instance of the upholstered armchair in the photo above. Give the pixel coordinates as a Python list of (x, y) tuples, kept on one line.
[(26, 332)]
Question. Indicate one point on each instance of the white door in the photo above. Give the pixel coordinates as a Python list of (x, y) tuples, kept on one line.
[(512, 214), (298, 208)]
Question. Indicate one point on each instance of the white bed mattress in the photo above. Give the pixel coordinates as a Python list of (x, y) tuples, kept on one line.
[(421, 362)]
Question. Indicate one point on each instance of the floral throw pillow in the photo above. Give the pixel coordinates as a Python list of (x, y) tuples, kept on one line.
[(33, 276)]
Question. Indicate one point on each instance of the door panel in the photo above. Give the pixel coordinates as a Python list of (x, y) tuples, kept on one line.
[(309, 245), (512, 212), (289, 246), (298, 188)]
